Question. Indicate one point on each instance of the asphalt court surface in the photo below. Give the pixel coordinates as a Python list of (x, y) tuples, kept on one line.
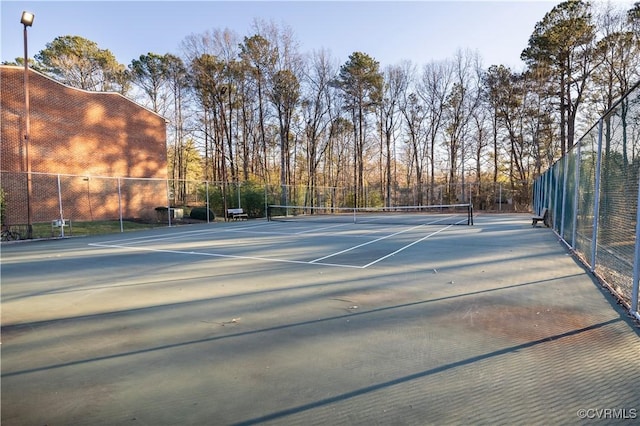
[(348, 245), (256, 322)]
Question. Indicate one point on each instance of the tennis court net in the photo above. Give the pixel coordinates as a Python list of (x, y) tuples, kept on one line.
[(445, 214)]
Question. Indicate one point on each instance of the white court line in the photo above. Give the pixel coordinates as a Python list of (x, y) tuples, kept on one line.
[(307, 231), (405, 247), (408, 245), (320, 229), (380, 220), (137, 239), (163, 237), (160, 237), (367, 243), (228, 256), (109, 244)]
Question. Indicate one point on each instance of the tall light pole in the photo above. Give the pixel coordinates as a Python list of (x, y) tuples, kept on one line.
[(27, 21)]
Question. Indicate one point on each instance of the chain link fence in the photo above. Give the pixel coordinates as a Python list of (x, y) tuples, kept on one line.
[(54, 203), (592, 197)]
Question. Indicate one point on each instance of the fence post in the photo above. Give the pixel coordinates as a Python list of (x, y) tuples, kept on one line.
[(636, 263), (538, 193), (596, 199), (120, 207), (168, 204), (576, 198), (556, 191), (206, 185), (565, 172), (60, 206), (547, 193)]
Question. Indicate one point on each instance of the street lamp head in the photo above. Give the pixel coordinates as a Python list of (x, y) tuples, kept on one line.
[(27, 18)]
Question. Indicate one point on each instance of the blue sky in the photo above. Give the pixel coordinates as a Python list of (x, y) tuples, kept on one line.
[(420, 31)]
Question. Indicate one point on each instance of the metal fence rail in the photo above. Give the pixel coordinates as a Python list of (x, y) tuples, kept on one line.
[(592, 194)]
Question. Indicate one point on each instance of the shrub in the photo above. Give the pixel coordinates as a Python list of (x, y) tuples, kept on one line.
[(161, 214), (251, 198), (200, 213)]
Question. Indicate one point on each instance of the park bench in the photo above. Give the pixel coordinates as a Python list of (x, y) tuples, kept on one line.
[(543, 216), (237, 214)]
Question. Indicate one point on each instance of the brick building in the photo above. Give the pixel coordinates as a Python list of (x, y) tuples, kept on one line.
[(106, 153)]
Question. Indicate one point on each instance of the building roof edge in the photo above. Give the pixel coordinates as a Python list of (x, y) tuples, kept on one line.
[(87, 91)]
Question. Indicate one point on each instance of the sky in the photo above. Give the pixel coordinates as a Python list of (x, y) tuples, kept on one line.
[(389, 31)]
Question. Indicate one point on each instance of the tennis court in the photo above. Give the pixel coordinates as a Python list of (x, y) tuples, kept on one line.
[(312, 322), (318, 240)]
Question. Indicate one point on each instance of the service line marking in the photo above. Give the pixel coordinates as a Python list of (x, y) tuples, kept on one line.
[(406, 247), (367, 243)]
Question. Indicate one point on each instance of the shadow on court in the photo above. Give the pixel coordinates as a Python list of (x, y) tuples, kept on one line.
[(240, 323)]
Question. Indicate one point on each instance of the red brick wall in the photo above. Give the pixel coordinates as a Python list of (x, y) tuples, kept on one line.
[(76, 132)]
